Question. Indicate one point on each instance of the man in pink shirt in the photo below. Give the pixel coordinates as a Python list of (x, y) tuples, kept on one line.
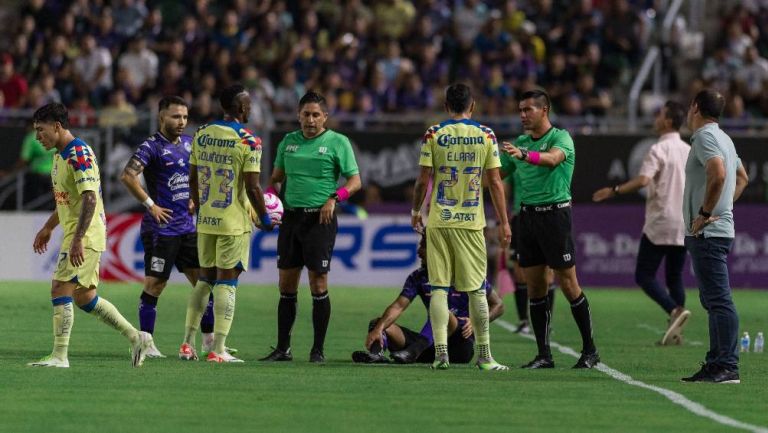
[(663, 172)]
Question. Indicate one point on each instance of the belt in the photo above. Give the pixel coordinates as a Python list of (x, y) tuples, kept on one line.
[(546, 207), (303, 209)]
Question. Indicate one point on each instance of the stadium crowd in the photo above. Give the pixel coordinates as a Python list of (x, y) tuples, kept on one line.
[(366, 57)]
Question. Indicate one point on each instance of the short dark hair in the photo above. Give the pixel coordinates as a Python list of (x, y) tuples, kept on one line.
[(710, 103), (312, 97), (539, 96), (228, 97), (458, 98), (167, 101), (53, 112), (675, 113)]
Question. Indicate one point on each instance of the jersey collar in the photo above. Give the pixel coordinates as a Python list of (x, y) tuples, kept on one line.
[(462, 121)]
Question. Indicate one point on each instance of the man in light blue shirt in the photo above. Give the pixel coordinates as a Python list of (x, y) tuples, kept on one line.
[(714, 179)]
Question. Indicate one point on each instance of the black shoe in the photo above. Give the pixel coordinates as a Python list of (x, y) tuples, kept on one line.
[(540, 362), (402, 357), (365, 357), (699, 375), (523, 327), (714, 374), (278, 355), (588, 360), (316, 356)]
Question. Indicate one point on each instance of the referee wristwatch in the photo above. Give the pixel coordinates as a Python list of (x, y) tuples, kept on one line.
[(523, 154), (335, 196)]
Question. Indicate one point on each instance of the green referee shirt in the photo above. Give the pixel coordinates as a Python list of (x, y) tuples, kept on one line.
[(39, 160), (538, 184), (312, 166)]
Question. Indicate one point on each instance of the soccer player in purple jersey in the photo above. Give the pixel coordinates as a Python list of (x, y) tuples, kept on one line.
[(407, 346), (167, 229)]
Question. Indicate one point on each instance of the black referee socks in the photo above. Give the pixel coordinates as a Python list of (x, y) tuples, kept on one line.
[(321, 315), (521, 300), (583, 317), (286, 315), (540, 317)]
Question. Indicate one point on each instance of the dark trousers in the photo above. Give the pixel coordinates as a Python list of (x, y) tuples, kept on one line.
[(649, 258), (709, 258)]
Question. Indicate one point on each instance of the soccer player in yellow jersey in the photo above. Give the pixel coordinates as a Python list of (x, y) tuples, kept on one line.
[(455, 154), (80, 212), (224, 178)]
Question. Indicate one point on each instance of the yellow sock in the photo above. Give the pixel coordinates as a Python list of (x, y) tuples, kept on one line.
[(63, 319), (439, 316), (198, 301), (478, 315), (107, 313), (223, 311)]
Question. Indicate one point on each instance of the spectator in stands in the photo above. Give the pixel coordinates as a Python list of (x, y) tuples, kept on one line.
[(752, 76), (13, 85), (93, 69), (720, 69), (118, 112), (140, 63)]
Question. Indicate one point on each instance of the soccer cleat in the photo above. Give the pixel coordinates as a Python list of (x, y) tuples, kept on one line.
[(677, 320), (540, 362), (50, 361), (139, 348), (490, 365), (523, 327), (441, 362), (187, 352), (588, 360), (152, 352), (207, 346), (365, 357), (403, 356), (316, 356), (278, 355), (222, 358)]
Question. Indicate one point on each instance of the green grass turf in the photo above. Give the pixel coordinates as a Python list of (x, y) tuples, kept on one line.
[(101, 392)]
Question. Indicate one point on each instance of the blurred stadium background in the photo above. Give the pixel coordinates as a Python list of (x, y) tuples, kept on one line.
[(608, 64)]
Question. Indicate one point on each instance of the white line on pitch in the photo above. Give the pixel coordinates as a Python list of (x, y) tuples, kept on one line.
[(659, 331), (675, 397)]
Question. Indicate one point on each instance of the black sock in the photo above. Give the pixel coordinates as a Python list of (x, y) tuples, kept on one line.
[(540, 318), (583, 317), (286, 315), (551, 299), (521, 300), (321, 315)]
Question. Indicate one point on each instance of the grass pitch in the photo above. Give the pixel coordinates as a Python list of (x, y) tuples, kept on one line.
[(102, 393)]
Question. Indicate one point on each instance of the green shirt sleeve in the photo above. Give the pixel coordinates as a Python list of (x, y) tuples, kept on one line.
[(564, 142), (31, 148), (507, 164), (346, 158), (279, 162)]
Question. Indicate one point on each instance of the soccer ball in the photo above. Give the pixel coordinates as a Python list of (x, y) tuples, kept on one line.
[(274, 207)]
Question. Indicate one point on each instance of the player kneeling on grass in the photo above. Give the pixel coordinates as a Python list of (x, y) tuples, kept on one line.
[(407, 346), (80, 212)]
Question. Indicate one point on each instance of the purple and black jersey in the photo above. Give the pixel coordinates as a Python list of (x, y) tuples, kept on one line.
[(166, 171), (417, 284)]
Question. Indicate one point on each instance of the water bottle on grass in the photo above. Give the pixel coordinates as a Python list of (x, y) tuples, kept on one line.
[(745, 342), (759, 343)]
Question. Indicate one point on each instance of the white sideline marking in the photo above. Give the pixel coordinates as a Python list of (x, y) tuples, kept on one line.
[(674, 397), (659, 331)]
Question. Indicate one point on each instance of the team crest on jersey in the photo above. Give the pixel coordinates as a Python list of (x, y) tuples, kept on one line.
[(82, 159), (322, 150)]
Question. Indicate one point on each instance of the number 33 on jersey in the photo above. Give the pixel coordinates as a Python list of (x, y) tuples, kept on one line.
[(458, 152), (222, 152)]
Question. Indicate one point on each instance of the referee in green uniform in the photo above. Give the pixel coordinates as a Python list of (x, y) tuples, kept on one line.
[(308, 164), (544, 159)]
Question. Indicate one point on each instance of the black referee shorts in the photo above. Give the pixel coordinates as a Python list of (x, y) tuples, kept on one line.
[(162, 252), (545, 236), (303, 241)]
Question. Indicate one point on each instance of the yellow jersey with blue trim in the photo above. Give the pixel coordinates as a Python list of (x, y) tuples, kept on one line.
[(459, 151), (74, 172), (223, 152)]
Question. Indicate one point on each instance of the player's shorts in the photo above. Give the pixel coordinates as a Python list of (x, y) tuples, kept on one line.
[(86, 275), (162, 252), (545, 236), (224, 251), (456, 257), (303, 241), (460, 349)]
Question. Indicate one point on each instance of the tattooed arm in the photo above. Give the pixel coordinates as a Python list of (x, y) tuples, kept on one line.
[(130, 178)]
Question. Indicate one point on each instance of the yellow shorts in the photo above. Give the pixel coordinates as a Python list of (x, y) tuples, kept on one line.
[(86, 275), (456, 257), (224, 252)]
